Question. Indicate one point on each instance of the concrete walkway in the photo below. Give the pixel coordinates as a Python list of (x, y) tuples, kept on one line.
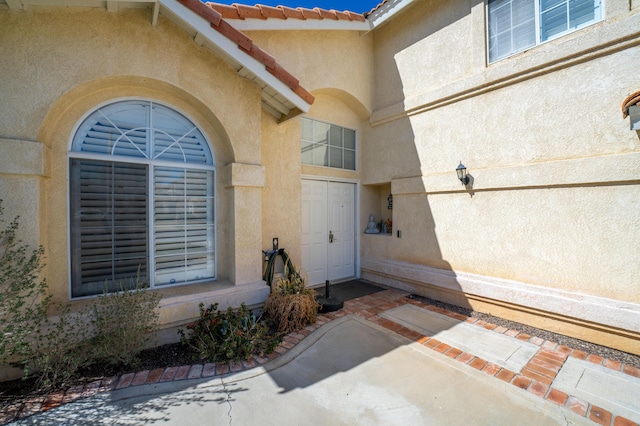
[(383, 360)]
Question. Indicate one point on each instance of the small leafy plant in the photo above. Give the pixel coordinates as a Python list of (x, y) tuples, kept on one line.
[(232, 335)]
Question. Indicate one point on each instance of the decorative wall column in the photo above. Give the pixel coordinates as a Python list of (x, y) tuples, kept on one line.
[(23, 167), (246, 182)]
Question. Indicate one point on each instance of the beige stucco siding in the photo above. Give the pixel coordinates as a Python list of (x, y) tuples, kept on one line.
[(65, 63), (507, 235), (332, 60), (79, 59), (427, 46), (337, 67), (56, 51), (282, 159), (555, 170), (548, 221)]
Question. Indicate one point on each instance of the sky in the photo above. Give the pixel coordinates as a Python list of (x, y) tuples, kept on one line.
[(358, 6)]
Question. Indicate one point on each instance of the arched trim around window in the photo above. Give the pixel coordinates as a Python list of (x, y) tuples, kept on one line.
[(142, 199)]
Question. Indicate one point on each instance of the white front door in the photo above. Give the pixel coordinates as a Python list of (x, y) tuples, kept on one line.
[(328, 230)]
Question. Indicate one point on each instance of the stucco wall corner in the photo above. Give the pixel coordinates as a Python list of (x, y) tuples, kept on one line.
[(22, 157), (239, 174), (410, 185)]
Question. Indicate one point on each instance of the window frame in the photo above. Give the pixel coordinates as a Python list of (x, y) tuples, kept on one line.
[(537, 29), (151, 164), (330, 146)]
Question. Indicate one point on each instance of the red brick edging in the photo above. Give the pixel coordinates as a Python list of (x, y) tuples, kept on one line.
[(536, 377)]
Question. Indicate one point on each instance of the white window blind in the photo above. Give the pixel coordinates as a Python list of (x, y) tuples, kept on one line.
[(142, 199), (109, 225), (515, 25), (183, 233)]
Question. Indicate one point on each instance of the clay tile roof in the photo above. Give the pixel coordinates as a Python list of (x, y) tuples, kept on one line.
[(248, 11), (358, 17), (344, 16), (214, 17), (262, 56), (327, 14), (261, 11), (291, 13), (271, 12), (631, 100), (211, 15), (310, 13), (375, 8), (227, 11)]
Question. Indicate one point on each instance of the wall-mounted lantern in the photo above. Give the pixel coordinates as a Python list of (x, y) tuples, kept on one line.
[(461, 170), (634, 117), (390, 202), (631, 109)]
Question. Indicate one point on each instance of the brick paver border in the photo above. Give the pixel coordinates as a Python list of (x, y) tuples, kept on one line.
[(536, 377)]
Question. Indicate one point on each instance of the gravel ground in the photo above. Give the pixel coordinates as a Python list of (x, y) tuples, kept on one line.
[(592, 348)]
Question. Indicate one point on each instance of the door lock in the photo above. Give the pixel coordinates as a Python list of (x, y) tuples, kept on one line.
[(330, 237)]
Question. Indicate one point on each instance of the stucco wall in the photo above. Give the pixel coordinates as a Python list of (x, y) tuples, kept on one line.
[(282, 159), (59, 64), (337, 68), (331, 60), (555, 171)]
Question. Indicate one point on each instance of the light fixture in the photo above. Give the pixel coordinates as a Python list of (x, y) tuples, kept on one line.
[(631, 108), (461, 170), (634, 117)]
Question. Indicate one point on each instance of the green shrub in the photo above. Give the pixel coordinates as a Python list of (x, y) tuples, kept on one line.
[(124, 322), (23, 295), (60, 348), (231, 335), (114, 328)]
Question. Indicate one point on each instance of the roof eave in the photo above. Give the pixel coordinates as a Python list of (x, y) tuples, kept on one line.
[(274, 24), (277, 97), (282, 96), (388, 10)]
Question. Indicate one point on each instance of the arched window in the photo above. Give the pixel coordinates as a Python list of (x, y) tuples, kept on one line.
[(142, 180)]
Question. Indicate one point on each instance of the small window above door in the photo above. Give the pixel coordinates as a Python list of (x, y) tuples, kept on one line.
[(328, 145)]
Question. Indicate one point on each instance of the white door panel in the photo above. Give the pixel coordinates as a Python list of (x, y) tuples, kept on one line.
[(314, 231), (341, 225), (328, 208)]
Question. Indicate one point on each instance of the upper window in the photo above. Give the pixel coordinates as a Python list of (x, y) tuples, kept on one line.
[(141, 199), (328, 145), (515, 25)]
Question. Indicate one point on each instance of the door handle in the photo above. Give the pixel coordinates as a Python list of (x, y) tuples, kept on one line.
[(330, 237)]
